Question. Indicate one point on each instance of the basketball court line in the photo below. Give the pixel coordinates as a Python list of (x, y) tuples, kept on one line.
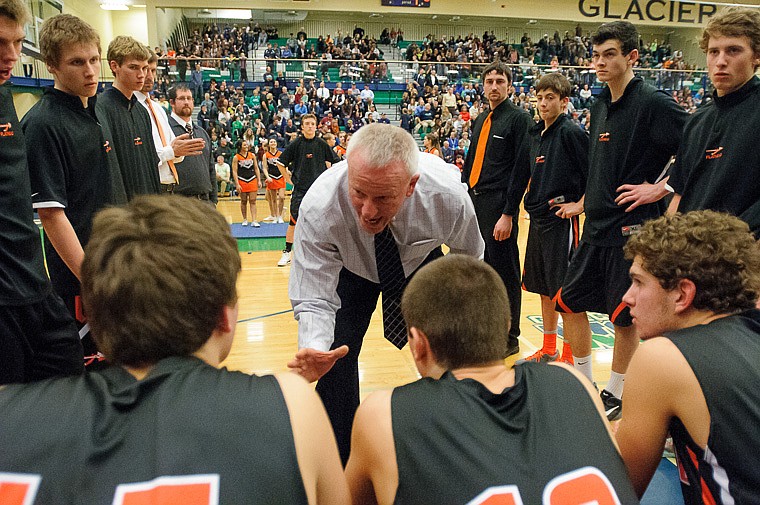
[(264, 316)]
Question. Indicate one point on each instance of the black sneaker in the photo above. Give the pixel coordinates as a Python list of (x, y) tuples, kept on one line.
[(613, 406)]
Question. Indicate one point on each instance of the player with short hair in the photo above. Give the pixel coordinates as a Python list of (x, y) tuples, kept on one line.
[(68, 156), (696, 279), (304, 160), (554, 200), (38, 338), (164, 419), (473, 427), (718, 154), (129, 127), (635, 129)]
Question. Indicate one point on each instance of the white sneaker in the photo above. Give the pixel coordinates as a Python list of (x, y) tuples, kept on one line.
[(255, 224), (280, 221), (284, 260), (244, 223), (269, 218)]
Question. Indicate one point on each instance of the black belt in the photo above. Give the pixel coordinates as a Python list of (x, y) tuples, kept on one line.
[(168, 188)]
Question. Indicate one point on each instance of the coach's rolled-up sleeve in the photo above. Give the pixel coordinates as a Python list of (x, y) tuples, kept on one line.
[(313, 286)]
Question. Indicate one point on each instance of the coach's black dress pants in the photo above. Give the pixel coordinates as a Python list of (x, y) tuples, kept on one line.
[(339, 388)]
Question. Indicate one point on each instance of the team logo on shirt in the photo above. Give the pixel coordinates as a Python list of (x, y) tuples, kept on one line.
[(540, 159), (138, 141), (5, 130), (604, 137), (107, 146), (714, 154)]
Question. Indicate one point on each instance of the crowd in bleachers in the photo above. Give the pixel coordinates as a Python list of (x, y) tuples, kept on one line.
[(232, 116), (442, 96), (570, 49), (453, 57), (443, 112), (229, 47)]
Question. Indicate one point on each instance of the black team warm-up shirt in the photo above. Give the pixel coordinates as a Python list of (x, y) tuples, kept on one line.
[(22, 274), (559, 166), (632, 140), (307, 157), (127, 124), (69, 169), (718, 164)]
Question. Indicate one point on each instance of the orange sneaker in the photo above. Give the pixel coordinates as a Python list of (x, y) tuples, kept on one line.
[(539, 357)]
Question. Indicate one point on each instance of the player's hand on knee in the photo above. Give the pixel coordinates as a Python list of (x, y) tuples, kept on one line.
[(312, 364)]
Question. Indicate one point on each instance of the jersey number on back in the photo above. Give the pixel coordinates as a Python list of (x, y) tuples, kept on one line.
[(21, 489), (583, 486)]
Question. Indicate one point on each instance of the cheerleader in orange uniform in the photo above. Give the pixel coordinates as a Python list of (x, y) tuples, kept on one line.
[(275, 181), (245, 172)]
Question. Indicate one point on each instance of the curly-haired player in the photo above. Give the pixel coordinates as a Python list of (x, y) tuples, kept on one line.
[(695, 280)]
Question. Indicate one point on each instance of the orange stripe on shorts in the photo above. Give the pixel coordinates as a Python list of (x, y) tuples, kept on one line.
[(558, 300), (617, 312)]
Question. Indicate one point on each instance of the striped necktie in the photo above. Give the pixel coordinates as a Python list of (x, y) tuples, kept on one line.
[(392, 283)]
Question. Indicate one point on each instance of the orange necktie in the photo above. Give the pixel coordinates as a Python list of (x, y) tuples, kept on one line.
[(163, 138), (480, 151)]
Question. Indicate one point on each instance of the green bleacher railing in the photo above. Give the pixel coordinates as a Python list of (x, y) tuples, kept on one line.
[(399, 72)]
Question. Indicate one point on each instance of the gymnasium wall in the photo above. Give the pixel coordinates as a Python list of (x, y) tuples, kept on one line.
[(508, 20), (651, 12), (320, 23), (23, 102), (101, 20), (132, 22)]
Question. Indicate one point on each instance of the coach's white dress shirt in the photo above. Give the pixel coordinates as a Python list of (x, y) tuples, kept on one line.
[(328, 237)]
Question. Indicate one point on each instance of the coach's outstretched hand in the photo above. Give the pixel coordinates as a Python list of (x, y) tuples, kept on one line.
[(312, 364)]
